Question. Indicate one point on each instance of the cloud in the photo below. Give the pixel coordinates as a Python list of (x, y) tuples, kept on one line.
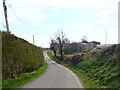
[(70, 3), (97, 15), (108, 18), (111, 12), (33, 9), (19, 12)]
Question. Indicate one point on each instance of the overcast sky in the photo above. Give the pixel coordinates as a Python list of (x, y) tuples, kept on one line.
[(77, 18)]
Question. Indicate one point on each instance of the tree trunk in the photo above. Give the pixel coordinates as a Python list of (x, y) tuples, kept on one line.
[(60, 48), (54, 53)]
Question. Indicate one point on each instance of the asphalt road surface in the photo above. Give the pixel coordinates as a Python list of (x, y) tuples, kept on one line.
[(56, 76)]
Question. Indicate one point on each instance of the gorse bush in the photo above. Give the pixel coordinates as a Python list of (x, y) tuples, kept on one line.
[(19, 56)]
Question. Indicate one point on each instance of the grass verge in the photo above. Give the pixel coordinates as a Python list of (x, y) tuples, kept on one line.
[(23, 78), (85, 80)]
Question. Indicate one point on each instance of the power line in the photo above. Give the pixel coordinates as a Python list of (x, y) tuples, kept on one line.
[(18, 19), (3, 25), (1, 22), (14, 12)]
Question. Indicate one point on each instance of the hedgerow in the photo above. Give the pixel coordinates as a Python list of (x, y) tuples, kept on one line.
[(19, 56)]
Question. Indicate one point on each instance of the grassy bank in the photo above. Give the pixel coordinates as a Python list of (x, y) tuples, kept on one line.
[(96, 71), (23, 78)]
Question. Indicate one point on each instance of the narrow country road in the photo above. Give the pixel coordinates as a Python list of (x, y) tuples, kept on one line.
[(56, 76)]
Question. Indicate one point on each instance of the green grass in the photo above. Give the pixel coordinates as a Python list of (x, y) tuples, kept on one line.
[(87, 83), (23, 78), (0, 85)]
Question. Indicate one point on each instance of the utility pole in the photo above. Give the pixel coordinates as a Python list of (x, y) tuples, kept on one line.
[(33, 40), (5, 13), (105, 37)]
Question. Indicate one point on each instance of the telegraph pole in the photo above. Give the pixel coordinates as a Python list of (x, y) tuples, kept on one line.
[(5, 13), (105, 37), (33, 40)]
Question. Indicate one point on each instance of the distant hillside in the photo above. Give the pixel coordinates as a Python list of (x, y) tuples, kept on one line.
[(19, 56)]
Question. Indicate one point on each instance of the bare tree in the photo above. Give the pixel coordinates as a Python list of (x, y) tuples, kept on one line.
[(59, 40)]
